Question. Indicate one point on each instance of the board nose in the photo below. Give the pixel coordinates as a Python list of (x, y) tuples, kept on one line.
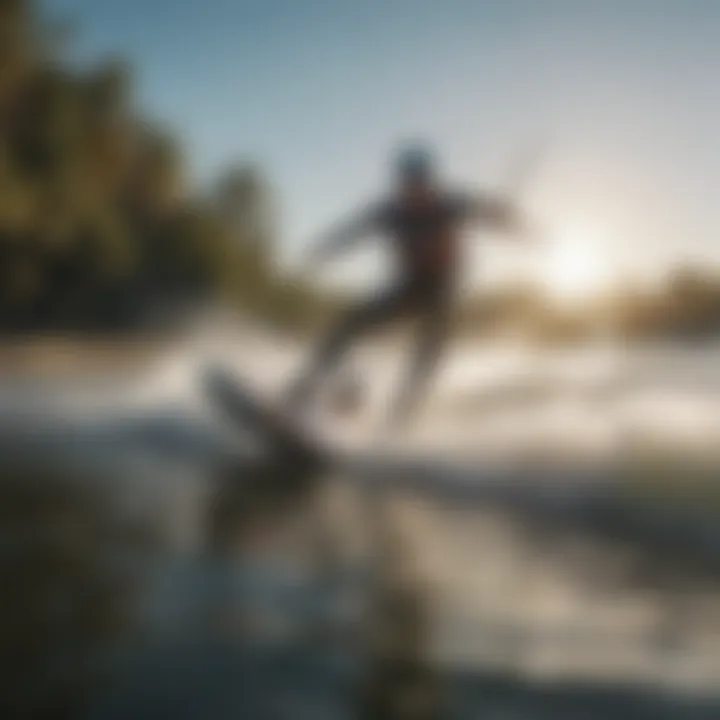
[(287, 440)]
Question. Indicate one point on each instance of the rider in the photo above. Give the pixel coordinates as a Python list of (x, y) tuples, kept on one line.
[(422, 221)]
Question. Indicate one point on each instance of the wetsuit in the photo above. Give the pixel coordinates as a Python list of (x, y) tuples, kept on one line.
[(425, 238)]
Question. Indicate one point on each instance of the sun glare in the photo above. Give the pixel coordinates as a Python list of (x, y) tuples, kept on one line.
[(575, 266)]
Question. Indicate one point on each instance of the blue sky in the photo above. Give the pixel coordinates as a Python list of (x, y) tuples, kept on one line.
[(623, 93)]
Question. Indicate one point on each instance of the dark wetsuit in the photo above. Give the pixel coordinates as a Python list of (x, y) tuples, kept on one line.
[(425, 238)]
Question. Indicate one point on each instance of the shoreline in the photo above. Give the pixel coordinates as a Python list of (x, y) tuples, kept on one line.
[(60, 356)]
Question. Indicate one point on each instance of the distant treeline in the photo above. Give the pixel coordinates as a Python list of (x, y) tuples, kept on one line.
[(685, 304)]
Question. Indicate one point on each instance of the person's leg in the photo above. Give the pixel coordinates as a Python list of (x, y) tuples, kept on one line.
[(430, 341), (369, 316)]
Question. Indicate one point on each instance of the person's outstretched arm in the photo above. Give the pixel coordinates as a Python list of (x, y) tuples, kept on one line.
[(494, 211), (344, 236)]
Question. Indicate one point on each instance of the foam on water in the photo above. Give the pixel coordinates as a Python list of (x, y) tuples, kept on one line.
[(486, 398)]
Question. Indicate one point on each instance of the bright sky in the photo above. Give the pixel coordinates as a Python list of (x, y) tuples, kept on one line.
[(624, 92)]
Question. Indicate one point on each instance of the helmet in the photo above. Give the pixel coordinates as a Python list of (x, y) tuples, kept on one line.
[(414, 162)]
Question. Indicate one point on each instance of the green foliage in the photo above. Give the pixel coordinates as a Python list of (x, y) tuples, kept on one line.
[(97, 225)]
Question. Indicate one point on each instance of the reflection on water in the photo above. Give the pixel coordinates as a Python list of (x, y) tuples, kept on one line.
[(502, 592)]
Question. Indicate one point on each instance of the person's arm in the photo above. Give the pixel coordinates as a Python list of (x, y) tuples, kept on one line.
[(344, 236), (496, 212)]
